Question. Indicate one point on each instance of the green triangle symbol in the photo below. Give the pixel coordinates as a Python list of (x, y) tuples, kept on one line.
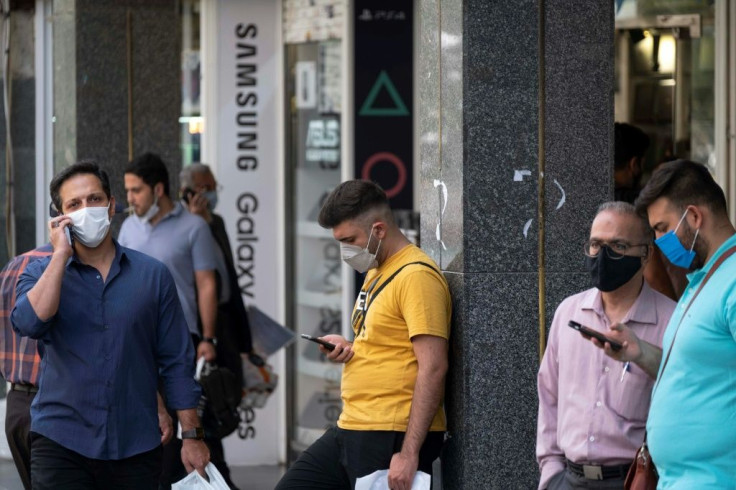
[(384, 81)]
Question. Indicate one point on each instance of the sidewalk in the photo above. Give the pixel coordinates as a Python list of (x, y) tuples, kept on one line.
[(246, 477)]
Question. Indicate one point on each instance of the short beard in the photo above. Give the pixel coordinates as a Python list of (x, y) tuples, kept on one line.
[(700, 247)]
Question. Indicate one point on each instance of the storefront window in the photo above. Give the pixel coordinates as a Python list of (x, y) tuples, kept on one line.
[(314, 141), (665, 68)]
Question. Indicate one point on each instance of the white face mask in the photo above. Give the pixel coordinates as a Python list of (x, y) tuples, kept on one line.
[(150, 213), (358, 258), (90, 225)]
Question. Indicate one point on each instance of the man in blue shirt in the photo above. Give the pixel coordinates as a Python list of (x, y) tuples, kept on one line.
[(691, 429), (109, 323)]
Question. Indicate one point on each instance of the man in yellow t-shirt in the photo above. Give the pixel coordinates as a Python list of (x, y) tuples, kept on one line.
[(394, 375)]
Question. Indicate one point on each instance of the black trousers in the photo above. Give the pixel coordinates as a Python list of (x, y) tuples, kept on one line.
[(17, 430), (54, 467), (340, 457)]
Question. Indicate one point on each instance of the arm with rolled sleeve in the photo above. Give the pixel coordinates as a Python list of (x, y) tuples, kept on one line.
[(174, 349), (550, 457), (37, 297)]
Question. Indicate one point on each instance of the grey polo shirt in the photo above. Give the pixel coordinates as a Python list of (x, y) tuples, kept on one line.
[(183, 242)]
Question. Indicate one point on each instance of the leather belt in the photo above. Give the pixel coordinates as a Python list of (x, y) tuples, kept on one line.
[(25, 388), (598, 472)]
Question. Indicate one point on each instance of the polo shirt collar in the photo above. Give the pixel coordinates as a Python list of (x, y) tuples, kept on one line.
[(641, 311)]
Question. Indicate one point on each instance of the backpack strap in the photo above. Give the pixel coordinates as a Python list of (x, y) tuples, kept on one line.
[(380, 288), (710, 273)]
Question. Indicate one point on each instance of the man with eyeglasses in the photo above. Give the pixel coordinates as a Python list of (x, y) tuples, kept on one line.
[(592, 408)]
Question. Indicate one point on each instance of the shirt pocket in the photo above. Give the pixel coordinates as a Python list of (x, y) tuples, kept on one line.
[(629, 399)]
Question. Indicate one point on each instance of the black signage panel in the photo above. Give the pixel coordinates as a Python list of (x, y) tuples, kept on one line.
[(384, 97)]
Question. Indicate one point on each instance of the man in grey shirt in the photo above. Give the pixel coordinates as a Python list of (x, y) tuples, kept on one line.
[(162, 229)]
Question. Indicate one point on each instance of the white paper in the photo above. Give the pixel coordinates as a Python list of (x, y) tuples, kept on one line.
[(378, 480)]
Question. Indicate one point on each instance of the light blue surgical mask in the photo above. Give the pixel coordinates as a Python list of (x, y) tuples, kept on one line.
[(211, 197), (671, 247)]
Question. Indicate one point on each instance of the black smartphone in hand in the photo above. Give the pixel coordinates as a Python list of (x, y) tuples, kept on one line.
[(595, 334), (324, 343)]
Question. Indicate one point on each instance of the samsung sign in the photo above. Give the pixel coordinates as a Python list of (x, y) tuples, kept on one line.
[(245, 106)]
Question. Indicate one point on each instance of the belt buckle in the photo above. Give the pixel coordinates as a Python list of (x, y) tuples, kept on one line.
[(592, 472)]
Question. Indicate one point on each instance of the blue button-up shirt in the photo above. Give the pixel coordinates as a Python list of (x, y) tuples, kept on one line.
[(102, 353)]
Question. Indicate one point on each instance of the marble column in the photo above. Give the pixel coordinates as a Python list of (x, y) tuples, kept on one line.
[(91, 86), (517, 107)]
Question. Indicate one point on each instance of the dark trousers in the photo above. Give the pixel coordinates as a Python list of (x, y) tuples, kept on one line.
[(17, 430), (340, 457), (54, 467), (567, 480)]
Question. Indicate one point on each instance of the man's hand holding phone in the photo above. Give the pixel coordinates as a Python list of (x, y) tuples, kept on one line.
[(630, 346), (343, 350), (60, 235)]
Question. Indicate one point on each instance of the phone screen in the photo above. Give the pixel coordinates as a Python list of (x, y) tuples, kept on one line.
[(595, 334)]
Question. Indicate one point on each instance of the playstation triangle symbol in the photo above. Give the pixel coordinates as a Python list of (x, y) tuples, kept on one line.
[(383, 81)]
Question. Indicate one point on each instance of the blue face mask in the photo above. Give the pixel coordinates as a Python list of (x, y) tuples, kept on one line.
[(671, 247), (211, 197)]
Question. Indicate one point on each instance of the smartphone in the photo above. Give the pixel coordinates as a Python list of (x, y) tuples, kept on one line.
[(595, 334), (68, 235), (324, 343), (187, 194)]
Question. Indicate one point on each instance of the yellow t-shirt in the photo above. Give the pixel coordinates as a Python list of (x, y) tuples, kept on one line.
[(378, 382)]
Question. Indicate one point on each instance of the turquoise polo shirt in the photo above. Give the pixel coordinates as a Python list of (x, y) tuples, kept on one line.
[(691, 427)]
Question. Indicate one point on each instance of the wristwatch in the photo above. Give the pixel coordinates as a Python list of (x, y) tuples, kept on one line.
[(196, 433), (211, 340)]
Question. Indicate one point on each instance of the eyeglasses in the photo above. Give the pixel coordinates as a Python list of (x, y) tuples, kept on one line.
[(614, 250)]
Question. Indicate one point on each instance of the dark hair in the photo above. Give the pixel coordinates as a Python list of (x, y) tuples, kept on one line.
[(682, 182), (629, 142), (350, 200), (81, 167), (151, 169)]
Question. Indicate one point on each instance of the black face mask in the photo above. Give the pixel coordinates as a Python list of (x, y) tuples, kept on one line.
[(609, 274)]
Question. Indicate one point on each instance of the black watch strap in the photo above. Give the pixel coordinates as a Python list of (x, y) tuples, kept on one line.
[(211, 340), (196, 433)]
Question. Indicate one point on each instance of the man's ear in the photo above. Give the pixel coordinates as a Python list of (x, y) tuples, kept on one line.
[(694, 216), (158, 189), (379, 230), (634, 166), (111, 209)]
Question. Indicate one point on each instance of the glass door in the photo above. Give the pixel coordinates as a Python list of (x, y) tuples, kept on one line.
[(313, 136)]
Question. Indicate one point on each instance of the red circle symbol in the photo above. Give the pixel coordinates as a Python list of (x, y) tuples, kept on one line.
[(386, 156)]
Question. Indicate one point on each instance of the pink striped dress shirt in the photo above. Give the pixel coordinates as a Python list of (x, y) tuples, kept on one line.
[(587, 414)]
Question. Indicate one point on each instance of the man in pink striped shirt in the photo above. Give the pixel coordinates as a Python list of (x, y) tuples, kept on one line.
[(593, 409)]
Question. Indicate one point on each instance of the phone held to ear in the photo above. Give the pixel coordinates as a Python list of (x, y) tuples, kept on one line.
[(187, 194), (595, 334), (68, 234), (324, 343)]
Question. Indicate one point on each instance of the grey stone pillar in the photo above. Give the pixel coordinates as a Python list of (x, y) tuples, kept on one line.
[(517, 106), (91, 83)]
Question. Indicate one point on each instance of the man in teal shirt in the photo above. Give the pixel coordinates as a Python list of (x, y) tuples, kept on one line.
[(691, 429)]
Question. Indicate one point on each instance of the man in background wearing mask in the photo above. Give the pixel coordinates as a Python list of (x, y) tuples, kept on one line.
[(691, 430), (161, 228), (394, 374), (198, 189), (592, 409), (109, 324)]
